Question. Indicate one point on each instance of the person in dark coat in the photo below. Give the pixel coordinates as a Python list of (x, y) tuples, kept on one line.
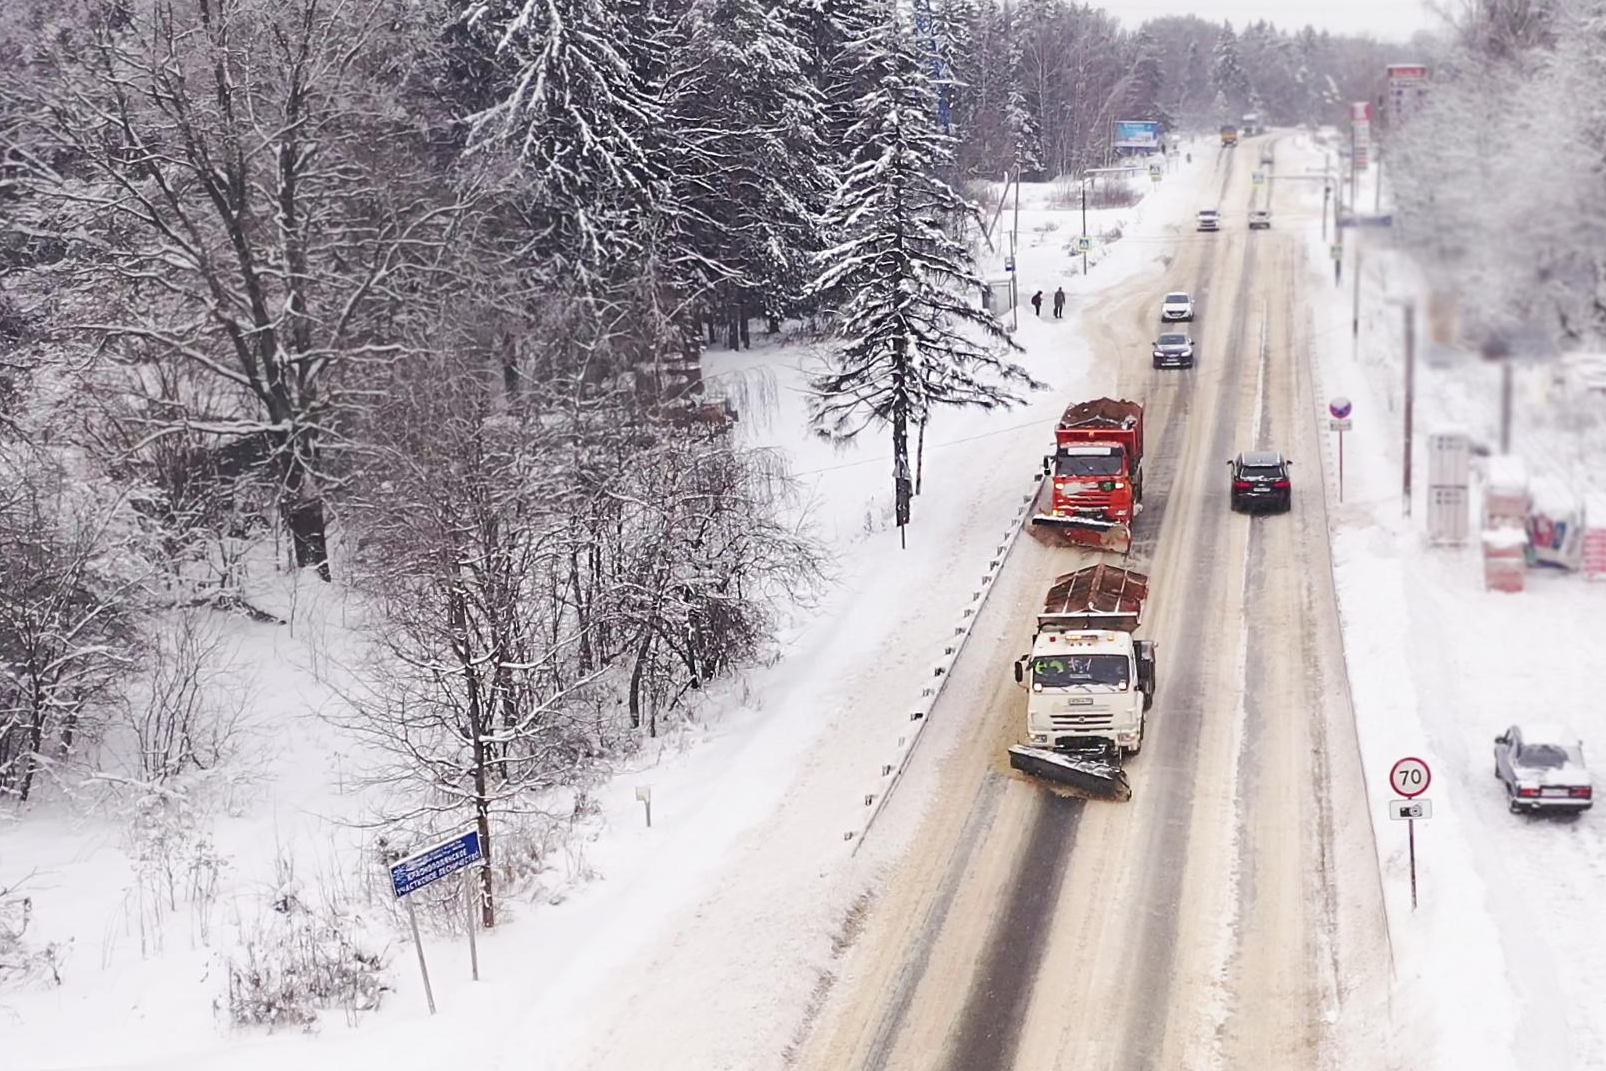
[(1059, 303), (1037, 303)]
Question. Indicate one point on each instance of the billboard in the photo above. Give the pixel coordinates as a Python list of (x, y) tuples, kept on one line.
[(1136, 134), (1408, 86), (1361, 139)]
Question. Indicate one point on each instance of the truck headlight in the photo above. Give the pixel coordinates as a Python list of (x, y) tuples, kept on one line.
[(1039, 738)]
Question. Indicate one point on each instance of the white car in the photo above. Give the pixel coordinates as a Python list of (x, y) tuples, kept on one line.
[(1260, 220), (1177, 306), (1209, 219), (1542, 767)]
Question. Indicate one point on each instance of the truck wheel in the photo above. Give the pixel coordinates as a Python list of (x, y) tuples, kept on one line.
[(1148, 701), (1143, 724)]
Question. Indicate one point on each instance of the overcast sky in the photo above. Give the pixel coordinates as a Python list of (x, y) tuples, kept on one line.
[(1386, 20)]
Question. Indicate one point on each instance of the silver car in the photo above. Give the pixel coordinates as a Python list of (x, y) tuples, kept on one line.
[(1542, 767)]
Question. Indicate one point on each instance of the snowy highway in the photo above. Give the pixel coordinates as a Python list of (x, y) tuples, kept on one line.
[(1208, 921)]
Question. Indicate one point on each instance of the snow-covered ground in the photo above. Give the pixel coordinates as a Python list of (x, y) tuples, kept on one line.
[(716, 927), (1503, 961)]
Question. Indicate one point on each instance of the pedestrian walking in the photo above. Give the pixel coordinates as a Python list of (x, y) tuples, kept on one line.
[(1037, 303), (1059, 303)]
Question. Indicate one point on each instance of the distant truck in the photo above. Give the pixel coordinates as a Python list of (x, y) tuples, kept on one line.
[(1229, 135), (1089, 683), (1096, 474), (1251, 125)]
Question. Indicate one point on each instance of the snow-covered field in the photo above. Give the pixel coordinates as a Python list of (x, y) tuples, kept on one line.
[(716, 927), (1503, 961)]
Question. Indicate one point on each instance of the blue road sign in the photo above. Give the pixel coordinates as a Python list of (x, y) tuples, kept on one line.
[(435, 862)]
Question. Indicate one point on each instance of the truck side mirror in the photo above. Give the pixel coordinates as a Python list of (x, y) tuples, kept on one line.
[(1020, 670), (1048, 466)]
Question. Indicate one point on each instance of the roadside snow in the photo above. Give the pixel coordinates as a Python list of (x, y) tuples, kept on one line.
[(1503, 960)]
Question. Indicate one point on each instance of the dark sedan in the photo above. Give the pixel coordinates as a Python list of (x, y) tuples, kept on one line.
[(1173, 351), (1260, 481)]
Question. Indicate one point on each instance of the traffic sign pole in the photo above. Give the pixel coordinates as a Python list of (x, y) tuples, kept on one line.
[(1410, 777), (473, 945), (1410, 836), (1339, 409), (423, 968)]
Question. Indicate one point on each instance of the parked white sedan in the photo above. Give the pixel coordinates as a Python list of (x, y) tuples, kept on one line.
[(1542, 767)]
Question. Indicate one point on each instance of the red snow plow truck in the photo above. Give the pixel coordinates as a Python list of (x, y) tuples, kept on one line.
[(1095, 475)]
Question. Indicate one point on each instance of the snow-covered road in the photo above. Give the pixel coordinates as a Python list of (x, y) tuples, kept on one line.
[(1230, 914)]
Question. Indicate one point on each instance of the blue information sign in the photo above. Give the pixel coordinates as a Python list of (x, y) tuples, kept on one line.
[(1136, 135), (434, 863)]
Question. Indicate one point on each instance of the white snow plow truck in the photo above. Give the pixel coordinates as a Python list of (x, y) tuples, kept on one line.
[(1088, 683)]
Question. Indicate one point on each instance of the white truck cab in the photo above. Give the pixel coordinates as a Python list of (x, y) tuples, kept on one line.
[(1088, 681), (1209, 219), (1085, 686)]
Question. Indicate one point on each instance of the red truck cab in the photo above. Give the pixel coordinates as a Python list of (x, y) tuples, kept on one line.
[(1096, 472)]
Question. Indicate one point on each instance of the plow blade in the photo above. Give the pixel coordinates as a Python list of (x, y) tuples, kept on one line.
[(1085, 776), (1095, 532)]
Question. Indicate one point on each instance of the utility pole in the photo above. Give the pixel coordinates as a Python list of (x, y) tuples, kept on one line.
[(1014, 263), (1377, 190), (1353, 170), (1084, 222), (1355, 312), (1410, 393), (1327, 195), (1505, 405)]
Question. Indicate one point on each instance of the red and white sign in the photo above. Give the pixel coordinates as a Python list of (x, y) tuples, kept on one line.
[(1410, 777), (1339, 407), (1407, 75), (1361, 123)]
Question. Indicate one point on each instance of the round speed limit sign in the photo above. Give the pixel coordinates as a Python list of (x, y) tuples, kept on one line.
[(1410, 777)]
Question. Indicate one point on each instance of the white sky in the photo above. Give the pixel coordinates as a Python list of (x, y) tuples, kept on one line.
[(1386, 20)]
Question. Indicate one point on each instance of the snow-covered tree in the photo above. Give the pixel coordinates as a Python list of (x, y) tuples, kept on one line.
[(583, 123), (757, 180), (911, 338), (239, 185), (1227, 74)]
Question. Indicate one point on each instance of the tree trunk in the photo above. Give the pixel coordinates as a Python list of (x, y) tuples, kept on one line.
[(920, 453), (772, 326), (302, 511), (482, 819), (636, 672), (742, 318), (900, 438)]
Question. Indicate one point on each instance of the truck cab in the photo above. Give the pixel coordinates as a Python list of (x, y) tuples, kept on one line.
[(1229, 135), (1087, 688)]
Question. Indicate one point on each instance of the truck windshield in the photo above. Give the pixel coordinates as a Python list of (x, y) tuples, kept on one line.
[(1082, 466), (1061, 671)]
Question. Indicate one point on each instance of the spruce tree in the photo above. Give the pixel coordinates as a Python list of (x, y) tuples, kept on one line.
[(910, 336)]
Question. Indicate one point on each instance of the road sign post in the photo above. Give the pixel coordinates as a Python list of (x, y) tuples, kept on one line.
[(1339, 410), (1410, 777), (425, 868)]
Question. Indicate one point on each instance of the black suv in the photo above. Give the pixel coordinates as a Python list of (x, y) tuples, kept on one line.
[(1260, 481)]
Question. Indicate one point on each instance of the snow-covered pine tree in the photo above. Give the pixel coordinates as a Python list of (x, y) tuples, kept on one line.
[(760, 181), (1026, 149), (907, 337), (1228, 76), (583, 123), (1146, 85)]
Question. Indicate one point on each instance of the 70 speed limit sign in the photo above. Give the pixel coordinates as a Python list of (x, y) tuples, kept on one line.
[(1410, 777)]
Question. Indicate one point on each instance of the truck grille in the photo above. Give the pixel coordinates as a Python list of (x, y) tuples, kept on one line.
[(1093, 719)]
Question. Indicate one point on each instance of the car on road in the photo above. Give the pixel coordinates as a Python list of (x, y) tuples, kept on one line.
[(1173, 350), (1260, 481), (1209, 219), (1260, 220), (1176, 306), (1542, 767), (1266, 158)]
